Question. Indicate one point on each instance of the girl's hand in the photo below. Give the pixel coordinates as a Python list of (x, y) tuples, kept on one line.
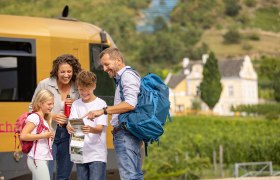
[(86, 129), (48, 134), (70, 129)]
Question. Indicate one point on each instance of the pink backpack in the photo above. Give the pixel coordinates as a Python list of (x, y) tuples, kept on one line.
[(20, 123)]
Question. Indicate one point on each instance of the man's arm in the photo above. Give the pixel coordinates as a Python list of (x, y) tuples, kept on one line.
[(122, 107)]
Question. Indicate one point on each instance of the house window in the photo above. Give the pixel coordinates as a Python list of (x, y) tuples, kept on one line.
[(230, 91), (197, 91)]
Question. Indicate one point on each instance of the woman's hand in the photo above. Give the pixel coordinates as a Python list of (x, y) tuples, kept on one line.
[(69, 101), (60, 118)]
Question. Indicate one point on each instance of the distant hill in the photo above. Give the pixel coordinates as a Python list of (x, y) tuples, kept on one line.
[(195, 27)]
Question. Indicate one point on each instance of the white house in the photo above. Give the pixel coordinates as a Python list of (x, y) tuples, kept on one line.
[(238, 78)]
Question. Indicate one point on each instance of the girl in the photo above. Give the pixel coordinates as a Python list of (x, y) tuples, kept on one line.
[(37, 161)]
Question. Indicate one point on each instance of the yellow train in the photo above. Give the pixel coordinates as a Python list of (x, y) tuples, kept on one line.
[(28, 45)]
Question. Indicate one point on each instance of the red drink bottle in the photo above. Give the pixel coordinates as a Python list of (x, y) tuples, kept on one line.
[(67, 107)]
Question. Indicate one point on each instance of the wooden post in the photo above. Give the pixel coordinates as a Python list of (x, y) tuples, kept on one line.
[(221, 160), (214, 163)]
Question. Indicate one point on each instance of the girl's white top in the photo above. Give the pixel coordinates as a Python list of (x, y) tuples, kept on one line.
[(42, 150)]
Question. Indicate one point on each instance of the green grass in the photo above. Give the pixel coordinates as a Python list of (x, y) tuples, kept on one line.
[(268, 43), (267, 19)]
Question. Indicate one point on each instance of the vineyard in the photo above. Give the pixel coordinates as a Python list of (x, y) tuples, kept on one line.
[(186, 149)]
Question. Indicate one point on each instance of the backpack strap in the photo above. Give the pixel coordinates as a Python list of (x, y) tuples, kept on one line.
[(146, 149), (120, 80), (40, 128)]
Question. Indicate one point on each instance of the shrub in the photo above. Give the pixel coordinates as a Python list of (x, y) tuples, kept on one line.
[(232, 37), (231, 7), (254, 37), (247, 47), (250, 3)]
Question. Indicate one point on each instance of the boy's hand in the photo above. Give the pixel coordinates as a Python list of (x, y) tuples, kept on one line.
[(86, 129), (70, 129)]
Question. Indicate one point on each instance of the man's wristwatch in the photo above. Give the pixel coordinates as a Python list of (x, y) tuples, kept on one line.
[(105, 110)]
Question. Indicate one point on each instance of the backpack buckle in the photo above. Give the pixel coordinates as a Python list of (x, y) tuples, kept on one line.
[(123, 126)]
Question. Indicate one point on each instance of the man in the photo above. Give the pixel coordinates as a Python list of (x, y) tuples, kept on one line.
[(126, 145)]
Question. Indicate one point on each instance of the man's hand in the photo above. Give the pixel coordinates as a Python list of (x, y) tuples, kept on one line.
[(93, 114)]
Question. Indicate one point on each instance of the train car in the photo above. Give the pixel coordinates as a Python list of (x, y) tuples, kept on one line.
[(28, 45)]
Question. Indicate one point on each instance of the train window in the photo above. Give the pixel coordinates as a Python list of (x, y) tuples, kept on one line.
[(17, 69), (105, 88)]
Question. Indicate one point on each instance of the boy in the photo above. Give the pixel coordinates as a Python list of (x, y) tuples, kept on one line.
[(94, 151)]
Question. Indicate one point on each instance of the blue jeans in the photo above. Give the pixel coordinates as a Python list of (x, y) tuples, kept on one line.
[(91, 171), (127, 149), (61, 156)]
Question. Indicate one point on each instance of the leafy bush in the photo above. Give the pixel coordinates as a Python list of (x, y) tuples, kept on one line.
[(270, 111), (232, 37), (253, 37), (250, 3), (247, 47), (231, 7)]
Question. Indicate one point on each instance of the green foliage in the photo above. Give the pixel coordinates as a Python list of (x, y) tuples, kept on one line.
[(247, 47), (250, 3), (200, 14), (179, 37), (211, 87), (271, 111), (269, 72), (196, 53), (276, 86), (231, 7), (267, 18), (187, 145), (253, 37), (196, 104), (232, 37)]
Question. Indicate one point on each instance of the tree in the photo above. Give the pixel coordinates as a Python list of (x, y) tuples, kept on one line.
[(269, 72), (211, 87), (231, 7)]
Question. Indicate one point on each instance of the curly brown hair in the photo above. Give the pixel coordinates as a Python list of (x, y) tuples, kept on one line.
[(69, 59), (86, 79)]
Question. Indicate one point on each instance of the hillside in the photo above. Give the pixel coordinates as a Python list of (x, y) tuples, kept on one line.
[(268, 43), (191, 24)]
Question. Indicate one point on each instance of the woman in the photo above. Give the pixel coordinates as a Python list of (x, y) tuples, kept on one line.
[(61, 83)]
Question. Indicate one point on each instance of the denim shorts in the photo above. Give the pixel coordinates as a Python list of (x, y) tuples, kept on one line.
[(128, 153)]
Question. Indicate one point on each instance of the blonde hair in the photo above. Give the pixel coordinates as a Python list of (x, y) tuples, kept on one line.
[(41, 97)]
